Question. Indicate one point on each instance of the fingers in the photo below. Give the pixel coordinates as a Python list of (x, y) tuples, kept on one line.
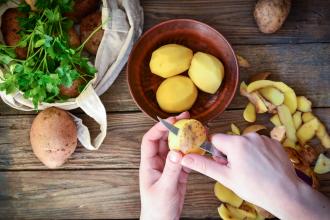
[(206, 166), (225, 143), (183, 115), (172, 170)]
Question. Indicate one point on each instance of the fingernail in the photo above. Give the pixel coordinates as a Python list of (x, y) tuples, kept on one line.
[(175, 157), (187, 161)]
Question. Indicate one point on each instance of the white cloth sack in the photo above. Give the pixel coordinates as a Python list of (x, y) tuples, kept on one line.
[(120, 33)]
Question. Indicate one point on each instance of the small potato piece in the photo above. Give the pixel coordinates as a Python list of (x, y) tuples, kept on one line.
[(239, 213), (290, 98), (176, 94), (271, 14), (307, 116), (322, 165), (278, 133), (297, 119), (207, 72), (53, 137), (170, 60), (242, 62), (249, 113), (307, 131), (87, 26), (259, 76), (287, 121), (275, 119), (323, 135), (304, 105), (191, 136), (253, 128), (82, 8), (235, 129), (226, 195), (254, 98), (273, 95), (73, 90), (224, 213)]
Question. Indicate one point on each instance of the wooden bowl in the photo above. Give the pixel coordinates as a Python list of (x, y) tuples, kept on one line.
[(197, 36)]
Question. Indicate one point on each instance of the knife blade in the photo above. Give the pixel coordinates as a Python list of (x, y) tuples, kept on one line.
[(207, 146)]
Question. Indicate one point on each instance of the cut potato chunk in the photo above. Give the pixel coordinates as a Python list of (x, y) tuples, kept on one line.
[(176, 94), (275, 119), (273, 95), (170, 60), (235, 129), (259, 76), (242, 62), (303, 104), (307, 131), (249, 113), (290, 98), (206, 71), (307, 116), (322, 164), (254, 98), (278, 133), (297, 119), (253, 128), (287, 121), (226, 195), (323, 135)]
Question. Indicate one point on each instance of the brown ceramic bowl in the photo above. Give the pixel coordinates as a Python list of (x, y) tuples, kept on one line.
[(196, 36)]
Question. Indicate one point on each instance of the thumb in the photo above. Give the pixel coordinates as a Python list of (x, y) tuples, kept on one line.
[(207, 167), (172, 169)]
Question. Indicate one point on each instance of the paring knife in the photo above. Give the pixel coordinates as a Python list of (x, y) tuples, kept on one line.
[(207, 146)]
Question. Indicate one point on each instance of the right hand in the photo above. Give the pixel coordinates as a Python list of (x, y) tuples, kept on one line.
[(258, 170)]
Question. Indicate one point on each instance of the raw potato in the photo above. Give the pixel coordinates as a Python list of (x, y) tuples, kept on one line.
[(271, 108), (303, 104), (235, 129), (254, 98), (260, 76), (176, 94), (239, 213), (53, 137), (287, 121), (224, 213), (297, 119), (290, 98), (74, 40), (82, 8), (273, 95), (289, 143), (242, 62), (170, 60), (322, 164), (278, 133), (271, 14), (253, 128), (191, 136), (73, 90), (207, 72), (249, 113), (226, 195), (307, 131), (275, 119), (323, 135)]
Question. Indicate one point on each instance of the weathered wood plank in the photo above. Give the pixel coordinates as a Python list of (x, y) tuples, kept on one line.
[(309, 21), (304, 67), (121, 148), (90, 194), (93, 194)]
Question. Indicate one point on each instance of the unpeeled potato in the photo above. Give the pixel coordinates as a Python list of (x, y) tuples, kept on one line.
[(176, 94), (170, 60), (192, 134), (207, 72)]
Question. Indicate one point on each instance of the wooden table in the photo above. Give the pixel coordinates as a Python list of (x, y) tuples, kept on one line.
[(104, 183)]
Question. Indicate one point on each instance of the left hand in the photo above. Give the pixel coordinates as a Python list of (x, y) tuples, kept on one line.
[(162, 179)]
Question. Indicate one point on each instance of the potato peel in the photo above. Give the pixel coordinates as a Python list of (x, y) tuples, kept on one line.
[(253, 128)]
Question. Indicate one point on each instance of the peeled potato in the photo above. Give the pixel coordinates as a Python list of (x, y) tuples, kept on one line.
[(191, 136), (176, 94), (278, 133), (224, 213), (307, 131), (235, 129), (170, 60), (287, 121), (249, 113), (206, 71), (322, 164), (304, 105), (289, 143), (254, 98), (239, 213), (226, 195), (297, 119), (253, 128), (307, 116), (275, 119), (273, 95), (323, 135)]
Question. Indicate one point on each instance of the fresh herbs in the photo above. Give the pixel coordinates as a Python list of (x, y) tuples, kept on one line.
[(50, 62)]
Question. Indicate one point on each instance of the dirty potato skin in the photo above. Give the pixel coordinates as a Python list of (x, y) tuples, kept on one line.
[(73, 90), (53, 137), (271, 14), (82, 8), (9, 29), (87, 26), (74, 39)]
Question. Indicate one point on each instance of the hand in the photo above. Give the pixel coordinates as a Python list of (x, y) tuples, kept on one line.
[(162, 179), (259, 171)]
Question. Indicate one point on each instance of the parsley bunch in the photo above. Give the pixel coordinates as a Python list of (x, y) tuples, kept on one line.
[(50, 62)]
